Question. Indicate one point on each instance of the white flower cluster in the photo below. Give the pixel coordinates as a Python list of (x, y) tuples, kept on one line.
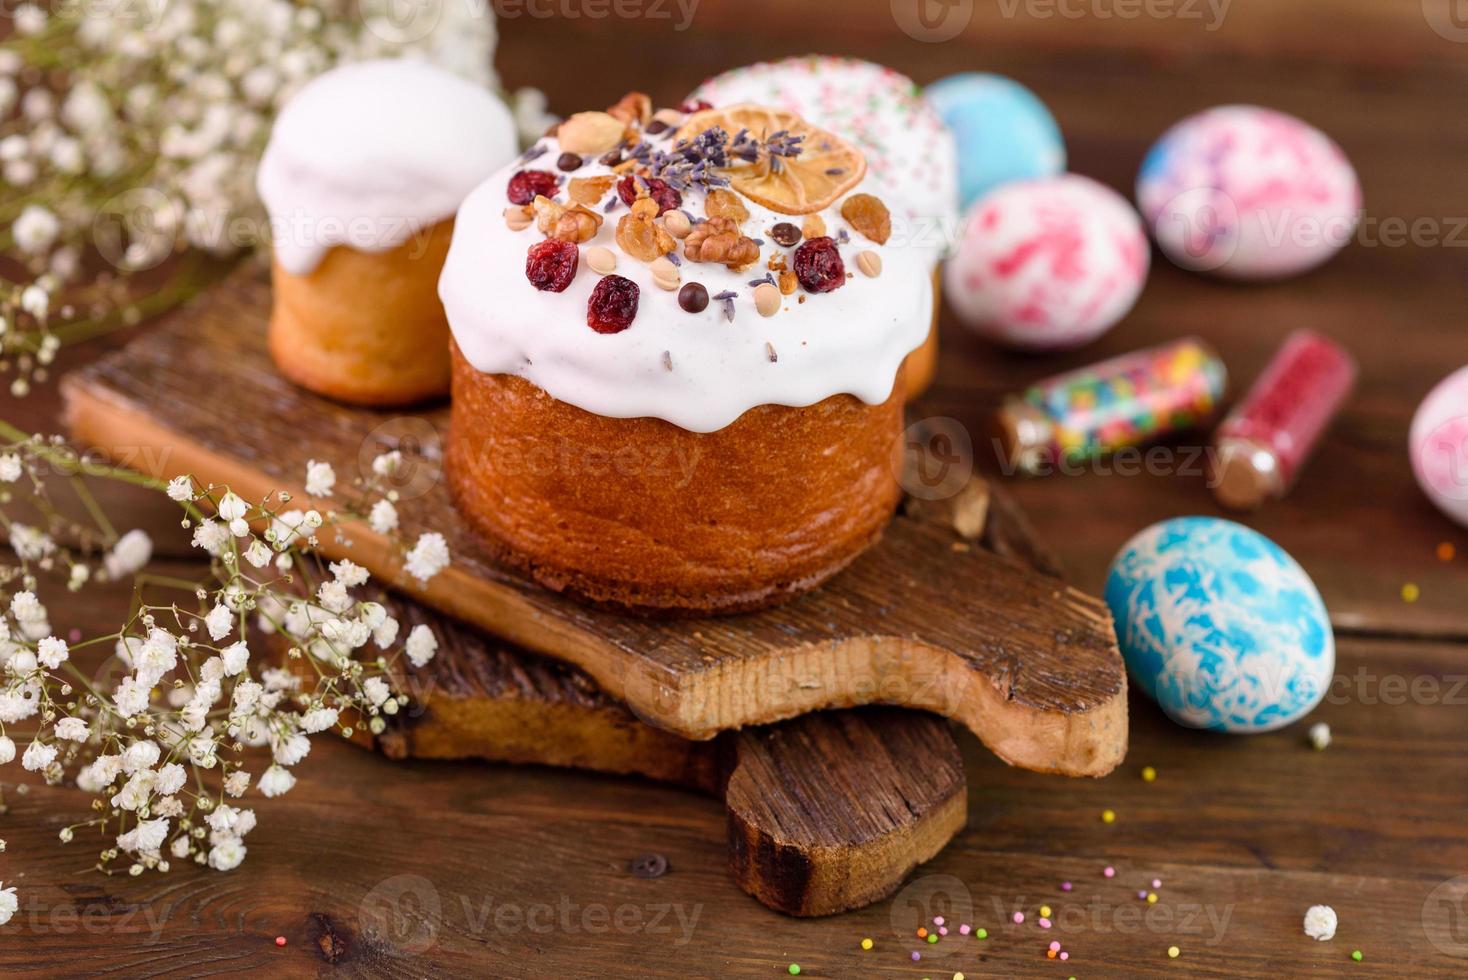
[(194, 719), (173, 102)]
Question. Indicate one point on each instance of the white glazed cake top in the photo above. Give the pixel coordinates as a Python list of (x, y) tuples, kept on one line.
[(909, 150), (369, 153), (699, 371)]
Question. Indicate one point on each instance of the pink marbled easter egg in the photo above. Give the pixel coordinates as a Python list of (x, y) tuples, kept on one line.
[(1439, 443), (1248, 193), (1047, 264)]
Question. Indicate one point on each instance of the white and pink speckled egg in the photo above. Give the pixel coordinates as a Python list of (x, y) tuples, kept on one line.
[(1439, 443), (1248, 193), (1047, 264)]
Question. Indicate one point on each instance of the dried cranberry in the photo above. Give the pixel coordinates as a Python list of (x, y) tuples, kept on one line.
[(818, 265), (551, 264), (568, 162), (528, 183), (668, 199), (655, 127), (695, 105), (613, 305)]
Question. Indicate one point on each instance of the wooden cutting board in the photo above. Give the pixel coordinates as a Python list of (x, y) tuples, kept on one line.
[(826, 812), (920, 620)]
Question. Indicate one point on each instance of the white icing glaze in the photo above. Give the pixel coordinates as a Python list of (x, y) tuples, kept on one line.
[(369, 153), (851, 340), (910, 153)]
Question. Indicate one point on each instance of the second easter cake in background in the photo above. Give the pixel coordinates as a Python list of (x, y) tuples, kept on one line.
[(910, 152)]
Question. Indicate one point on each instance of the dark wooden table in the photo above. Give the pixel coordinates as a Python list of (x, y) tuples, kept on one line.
[(375, 868)]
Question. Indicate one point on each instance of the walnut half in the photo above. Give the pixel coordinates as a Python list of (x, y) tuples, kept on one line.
[(718, 240), (574, 224)]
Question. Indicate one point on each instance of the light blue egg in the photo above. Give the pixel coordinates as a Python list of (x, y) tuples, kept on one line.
[(1003, 131), (1220, 626)]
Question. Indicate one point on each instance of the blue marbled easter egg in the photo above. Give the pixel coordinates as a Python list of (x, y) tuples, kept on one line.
[(1003, 130), (1220, 626)]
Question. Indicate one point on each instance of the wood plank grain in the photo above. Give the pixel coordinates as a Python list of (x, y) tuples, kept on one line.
[(1028, 664), (451, 869)]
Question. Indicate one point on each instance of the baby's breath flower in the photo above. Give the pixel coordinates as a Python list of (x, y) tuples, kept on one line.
[(180, 488), (384, 517), (320, 478), (131, 553), (421, 645), (429, 556)]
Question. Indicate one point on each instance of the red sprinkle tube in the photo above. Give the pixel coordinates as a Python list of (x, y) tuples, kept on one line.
[(1265, 440)]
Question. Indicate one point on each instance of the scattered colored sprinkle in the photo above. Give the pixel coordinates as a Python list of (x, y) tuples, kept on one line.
[(866, 944), (1410, 592), (937, 920), (963, 930), (1050, 954), (922, 932), (932, 937), (1044, 922), (916, 956), (1019, 917), (1149, 774), (1141, 893), (1446, 551), (982, 933), (1109, 871), (958, 976), (1055, 945), (942, 930), (1108, 816), (280, 940), (1173, 952), (1045, 911), (1065, 886), (1064, 955), (1356, 955), (1319, 735), (1156, 882), (1151, 898), (795, 969)]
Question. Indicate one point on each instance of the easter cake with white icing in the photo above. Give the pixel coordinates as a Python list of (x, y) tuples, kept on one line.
[(678, 360), (364, 170)]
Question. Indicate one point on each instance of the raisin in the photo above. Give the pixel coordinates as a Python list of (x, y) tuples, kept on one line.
[(613, 305), (568, 162), (785, 234), (666, 197), (694, 297), (818, 265), (551, 265), (869, 216), (528, 183)]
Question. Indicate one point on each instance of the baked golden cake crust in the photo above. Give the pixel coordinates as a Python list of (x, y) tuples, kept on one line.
[(366, 327), (645, 516)]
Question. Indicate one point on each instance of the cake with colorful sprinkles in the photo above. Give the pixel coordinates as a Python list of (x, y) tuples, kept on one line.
[(679, 356), (910, 151)]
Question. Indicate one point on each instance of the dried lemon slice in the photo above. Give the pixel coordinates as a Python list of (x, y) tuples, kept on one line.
[(826, 167)]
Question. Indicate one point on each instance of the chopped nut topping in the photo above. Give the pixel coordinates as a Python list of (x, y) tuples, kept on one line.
[(519, 218), (633, 109), (590, 133), (677, 223), (574, 224), (788, 281), (814, 226), (718, 240)]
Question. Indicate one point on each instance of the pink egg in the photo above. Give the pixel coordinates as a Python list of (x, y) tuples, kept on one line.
[(1439, 442), (1047, 264), (1248, 193)]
